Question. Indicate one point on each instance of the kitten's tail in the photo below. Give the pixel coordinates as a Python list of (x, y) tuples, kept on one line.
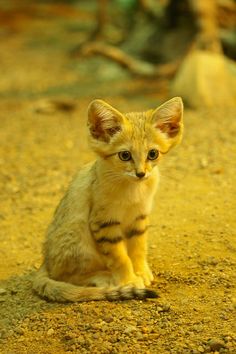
[(63, 292)]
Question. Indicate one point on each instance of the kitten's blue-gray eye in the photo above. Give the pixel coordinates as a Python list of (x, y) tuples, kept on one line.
[(124, 155), (153, 154)]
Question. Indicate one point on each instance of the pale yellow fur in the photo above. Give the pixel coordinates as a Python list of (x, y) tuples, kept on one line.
[(96, 246)]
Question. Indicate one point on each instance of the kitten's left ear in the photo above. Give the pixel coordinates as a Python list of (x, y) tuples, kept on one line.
[(104, 121), (168, 118)]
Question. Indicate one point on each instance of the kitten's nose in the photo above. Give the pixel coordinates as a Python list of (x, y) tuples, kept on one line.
[(140, 174)]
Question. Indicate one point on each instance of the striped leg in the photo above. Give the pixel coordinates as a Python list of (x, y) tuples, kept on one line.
[(110, 243), (136, 237)]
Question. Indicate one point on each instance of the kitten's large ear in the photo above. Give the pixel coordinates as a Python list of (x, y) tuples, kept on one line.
[(104, 121), (168, 118)]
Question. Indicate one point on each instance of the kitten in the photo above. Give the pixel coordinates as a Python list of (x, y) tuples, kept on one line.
[(96, 246)]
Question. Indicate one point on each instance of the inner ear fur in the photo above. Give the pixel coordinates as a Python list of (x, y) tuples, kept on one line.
[(168, 118), (104, 121)]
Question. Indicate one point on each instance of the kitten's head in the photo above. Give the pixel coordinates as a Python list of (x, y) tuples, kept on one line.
[(133, 143)]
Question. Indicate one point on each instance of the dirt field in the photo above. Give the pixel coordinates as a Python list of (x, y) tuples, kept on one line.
[(192, 237)]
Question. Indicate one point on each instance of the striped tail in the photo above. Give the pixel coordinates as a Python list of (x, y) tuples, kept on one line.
[(65, 292)]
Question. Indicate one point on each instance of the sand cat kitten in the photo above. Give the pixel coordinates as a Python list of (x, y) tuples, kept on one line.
[(96, 246)]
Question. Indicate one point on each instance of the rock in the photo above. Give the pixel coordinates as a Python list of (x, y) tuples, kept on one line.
[(215, 345), (108, 319), (19, 330), (204, 162), (165, 308), (130, 329), (3, 291), (50, 331)]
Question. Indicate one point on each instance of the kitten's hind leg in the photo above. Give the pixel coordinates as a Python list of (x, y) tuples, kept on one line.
[(101, 279)]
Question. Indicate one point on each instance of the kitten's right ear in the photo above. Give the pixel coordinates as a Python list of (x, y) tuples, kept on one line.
[(104, 121)]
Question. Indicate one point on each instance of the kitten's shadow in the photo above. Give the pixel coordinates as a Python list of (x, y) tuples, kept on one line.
[(18, 300)]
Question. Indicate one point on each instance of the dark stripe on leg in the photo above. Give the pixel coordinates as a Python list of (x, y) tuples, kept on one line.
[(109, 240), (135, 232), (141, 217), (103, 225), (108, 224)]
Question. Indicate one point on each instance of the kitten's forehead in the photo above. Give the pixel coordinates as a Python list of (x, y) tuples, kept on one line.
[(138, 117), (139, 134), (138, 122)]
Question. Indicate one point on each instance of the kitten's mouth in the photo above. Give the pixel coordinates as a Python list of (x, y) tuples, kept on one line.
[(142, 178)]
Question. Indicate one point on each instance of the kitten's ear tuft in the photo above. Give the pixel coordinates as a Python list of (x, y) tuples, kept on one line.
[(104, 121), (168, 118)]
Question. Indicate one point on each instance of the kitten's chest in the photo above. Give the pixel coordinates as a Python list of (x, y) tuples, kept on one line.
[(123, 205)]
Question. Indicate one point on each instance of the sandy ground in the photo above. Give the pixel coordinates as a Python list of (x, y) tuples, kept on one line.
[(192, 238)]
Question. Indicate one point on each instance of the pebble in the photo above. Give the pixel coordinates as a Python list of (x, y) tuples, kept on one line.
[(197, 328), (130, 329), (19, 330), (200, 349), (2, 291), (108, 319), (204, 162), (50, 331), (163, 308), (215, 345)]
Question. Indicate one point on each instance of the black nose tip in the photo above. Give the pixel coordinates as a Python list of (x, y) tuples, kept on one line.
[(140, 174)]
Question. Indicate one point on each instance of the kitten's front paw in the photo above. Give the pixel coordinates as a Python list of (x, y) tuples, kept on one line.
[(146, 275), (135, 281)]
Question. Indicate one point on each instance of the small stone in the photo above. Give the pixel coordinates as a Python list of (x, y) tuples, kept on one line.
[(81, 339), (204, 162), (19, 330), (50, 331), (108, 319), (130, 329), (200, 349), (144, 330), (2, 291), (215, 345), (197, 328), (68, 336), (165, 308), (159, 309), (3, 333)]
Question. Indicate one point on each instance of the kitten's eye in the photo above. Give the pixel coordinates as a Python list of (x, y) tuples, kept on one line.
[(124, 155), (153, 154)]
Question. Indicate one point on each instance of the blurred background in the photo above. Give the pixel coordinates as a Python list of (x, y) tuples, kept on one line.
[(55, 57), (160, 48)]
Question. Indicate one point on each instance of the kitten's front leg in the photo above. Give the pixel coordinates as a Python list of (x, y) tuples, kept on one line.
[(136, 236), (110, 244)]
